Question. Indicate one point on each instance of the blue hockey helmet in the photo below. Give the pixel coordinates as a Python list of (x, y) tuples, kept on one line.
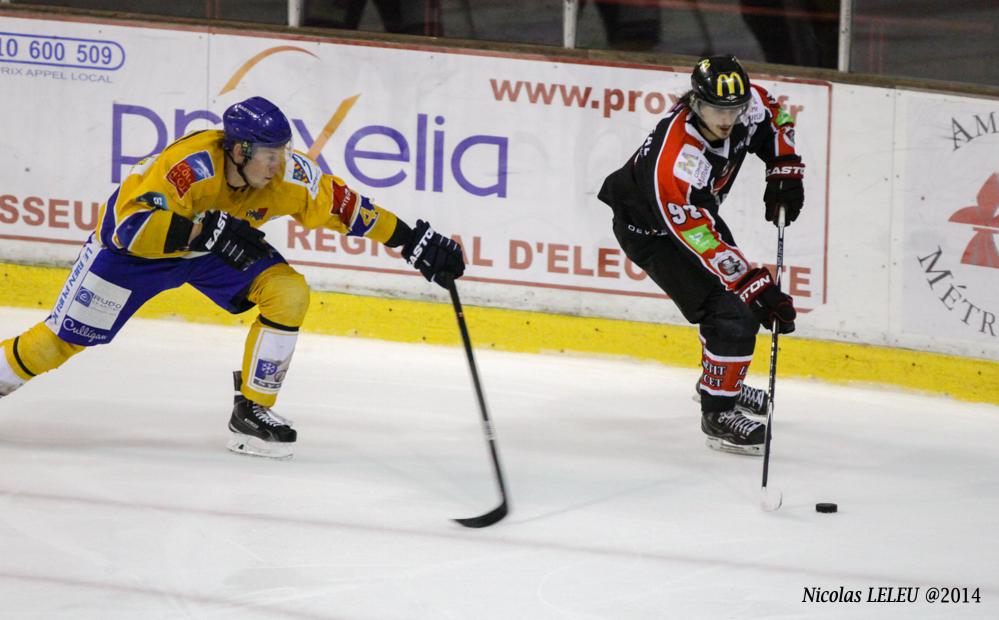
[(255, 122)]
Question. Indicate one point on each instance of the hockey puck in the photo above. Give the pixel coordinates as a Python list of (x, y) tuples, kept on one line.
[(825, 507)]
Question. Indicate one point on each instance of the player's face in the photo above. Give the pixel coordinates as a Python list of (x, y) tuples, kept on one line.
[(264, 165), (719, 121)]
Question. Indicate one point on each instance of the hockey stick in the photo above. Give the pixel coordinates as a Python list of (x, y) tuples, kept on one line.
[(771, 499), (496, 514)]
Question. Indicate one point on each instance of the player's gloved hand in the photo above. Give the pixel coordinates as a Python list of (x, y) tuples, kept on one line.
[(784, 188), (757, 290), (438, 258), (234, 240)]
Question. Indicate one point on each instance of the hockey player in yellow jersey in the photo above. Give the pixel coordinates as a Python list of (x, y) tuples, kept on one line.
[(190, 215)]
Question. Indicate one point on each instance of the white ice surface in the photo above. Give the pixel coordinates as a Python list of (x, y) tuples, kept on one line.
[(119, 500)]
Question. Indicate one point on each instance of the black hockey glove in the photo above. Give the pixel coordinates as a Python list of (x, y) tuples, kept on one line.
[(784, 188), (756, 289), (231, 238), (438, 258)]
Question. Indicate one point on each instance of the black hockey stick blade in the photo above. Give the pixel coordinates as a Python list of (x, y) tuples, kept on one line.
[(493, 516)]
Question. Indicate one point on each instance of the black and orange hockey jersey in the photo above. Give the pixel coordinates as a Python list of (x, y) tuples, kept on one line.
[(676, 181)]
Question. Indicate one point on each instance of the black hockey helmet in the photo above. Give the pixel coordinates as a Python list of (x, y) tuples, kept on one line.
[(720, 81)]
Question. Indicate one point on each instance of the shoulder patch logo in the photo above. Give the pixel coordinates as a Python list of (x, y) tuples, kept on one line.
[(301, 170), (691, 166), (153, 199), (700, 238), (343, 199), (188, 171), (729, 264), (783, 118)]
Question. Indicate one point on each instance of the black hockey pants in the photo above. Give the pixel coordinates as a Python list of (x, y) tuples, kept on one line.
[(727, 326)]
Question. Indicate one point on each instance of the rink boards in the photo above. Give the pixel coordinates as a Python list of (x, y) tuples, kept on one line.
[(896, 246)]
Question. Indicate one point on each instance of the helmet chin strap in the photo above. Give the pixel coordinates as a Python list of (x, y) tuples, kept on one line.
[(247, 154), (700, 124), (695, 106)]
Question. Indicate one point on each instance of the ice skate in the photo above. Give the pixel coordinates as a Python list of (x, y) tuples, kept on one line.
[(750, 401), (731, 431), (258, 430), (237, 381)]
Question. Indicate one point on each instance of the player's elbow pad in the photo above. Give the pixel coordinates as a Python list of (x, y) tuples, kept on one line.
[(178, 234)]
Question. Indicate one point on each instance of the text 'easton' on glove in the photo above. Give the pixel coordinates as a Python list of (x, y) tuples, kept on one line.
[(756, 289), (437, 257), (784, 188), (234, 240)]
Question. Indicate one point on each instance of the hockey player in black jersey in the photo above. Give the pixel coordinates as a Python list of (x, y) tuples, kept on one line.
[(666, 201)]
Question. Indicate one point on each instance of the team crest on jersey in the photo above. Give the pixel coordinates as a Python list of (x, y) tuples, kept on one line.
[(730, 265), (188, 171), (691, 166), (301, 170)]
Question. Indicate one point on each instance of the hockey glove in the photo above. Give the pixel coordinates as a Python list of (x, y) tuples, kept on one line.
[(438, 258), (756, 289), (234, 240), (784, 188)]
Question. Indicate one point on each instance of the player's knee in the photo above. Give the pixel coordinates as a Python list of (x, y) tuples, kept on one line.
[(283, 295), (742, 327), (730, 321)]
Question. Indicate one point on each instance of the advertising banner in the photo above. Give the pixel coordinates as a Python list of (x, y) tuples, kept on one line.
[(949, 206), (504, 153), (66, 90)]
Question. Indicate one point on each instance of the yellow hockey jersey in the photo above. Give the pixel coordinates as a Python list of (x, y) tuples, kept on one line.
[(187, 179)]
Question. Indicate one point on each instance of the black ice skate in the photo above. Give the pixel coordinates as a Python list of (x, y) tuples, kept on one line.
[(750, 401), (731, 431), (257, 430)]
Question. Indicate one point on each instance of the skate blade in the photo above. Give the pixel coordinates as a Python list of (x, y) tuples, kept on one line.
[(725, 446), (253, 446)]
